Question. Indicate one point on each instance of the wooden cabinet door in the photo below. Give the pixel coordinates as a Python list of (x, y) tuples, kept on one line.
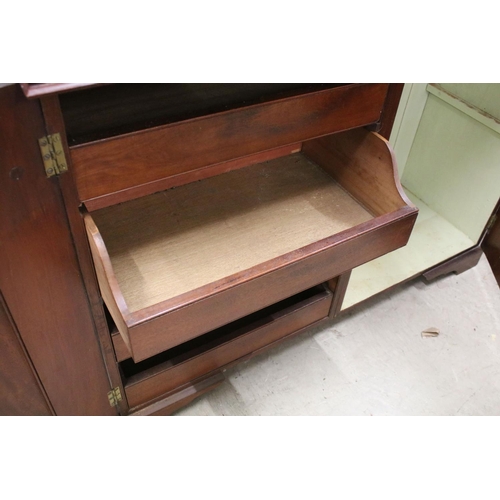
[(20, 389), (40, 277)]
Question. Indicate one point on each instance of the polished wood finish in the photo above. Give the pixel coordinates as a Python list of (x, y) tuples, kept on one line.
[(457, 264), (390, 109), (20, 390), (163, 245), (491, 244), (363, 164), (108, 283), (33, 90), (157, 327), (339, 287), (187, 177), (54, 123), (143, 157), (109, 111), (177, 325), (140, 146), (181, 396), (122, 352), (230, 343), (39, 273)]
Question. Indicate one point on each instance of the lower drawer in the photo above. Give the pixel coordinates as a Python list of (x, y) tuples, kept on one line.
[(156, 376)]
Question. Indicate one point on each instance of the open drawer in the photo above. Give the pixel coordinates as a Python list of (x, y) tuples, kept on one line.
[(217, 350), (179, 263)]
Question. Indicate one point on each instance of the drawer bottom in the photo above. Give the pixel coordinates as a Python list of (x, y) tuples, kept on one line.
[(148, 380)]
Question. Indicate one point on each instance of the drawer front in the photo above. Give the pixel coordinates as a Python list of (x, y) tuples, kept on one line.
[(148, 338), (117, 165), (229, 344)]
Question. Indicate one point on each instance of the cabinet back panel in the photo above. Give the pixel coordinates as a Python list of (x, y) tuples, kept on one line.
[(454, 167)]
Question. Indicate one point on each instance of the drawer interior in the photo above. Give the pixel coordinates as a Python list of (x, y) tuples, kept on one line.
[(169, 243), (176, 264)]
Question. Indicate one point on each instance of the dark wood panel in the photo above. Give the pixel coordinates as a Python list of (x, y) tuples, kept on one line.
[(187, 177), (339, 288), (39, 273), (226, 345), (458, 264), (122, 352), (33, 90), (131, 160), (360, 161), (491, 244), (105, 112), (20, 390), (180, 397), (54, 123), (390, 109), (209, 313), (364, 164)]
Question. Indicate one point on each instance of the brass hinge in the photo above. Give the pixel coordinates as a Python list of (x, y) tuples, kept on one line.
[(114, 396), (53, 156)]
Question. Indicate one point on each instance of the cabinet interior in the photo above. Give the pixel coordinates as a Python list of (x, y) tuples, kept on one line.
[(455, 185), (108, 111)]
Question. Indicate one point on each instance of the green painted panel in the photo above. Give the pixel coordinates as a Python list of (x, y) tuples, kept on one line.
[(432, 241), (454, 167)]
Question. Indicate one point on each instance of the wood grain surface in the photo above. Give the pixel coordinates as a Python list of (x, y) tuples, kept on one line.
[(108, 111), (390, 109), (21, 392), (54, 123), (364, 164), (169, 243), (222, 347), (111, 165), (491, 244), (204, 307), (180, 397), (39, 273)]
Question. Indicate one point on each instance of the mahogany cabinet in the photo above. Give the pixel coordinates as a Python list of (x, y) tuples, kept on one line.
[(153, 235)]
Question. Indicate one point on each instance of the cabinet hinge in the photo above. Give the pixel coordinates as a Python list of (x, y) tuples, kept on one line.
[(114, 396), (53, 156)]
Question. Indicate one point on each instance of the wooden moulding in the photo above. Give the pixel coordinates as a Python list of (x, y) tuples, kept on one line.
[(117, 166), (344, 231)]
